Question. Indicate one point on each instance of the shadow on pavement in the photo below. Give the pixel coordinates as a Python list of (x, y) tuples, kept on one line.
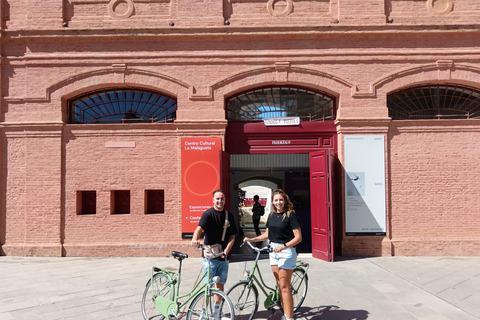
[(318, 313), (331, 313)]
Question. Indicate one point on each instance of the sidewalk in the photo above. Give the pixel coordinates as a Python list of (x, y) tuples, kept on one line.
[(383, 288)]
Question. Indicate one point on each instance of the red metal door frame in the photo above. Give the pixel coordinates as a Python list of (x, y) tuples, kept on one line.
[(322, 204), (225, 177), (319, 139)]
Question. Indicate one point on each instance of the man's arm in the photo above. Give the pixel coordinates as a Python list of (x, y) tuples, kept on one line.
[(231, 242), (196, 237)]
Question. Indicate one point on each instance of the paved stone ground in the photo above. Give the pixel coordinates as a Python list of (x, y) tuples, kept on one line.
[(384, 288)]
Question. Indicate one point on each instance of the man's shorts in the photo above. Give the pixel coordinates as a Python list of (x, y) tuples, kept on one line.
[(217, 268), (286, 259)]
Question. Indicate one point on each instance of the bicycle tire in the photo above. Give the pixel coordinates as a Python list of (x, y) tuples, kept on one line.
[(299, 287), (244, 299), (196, 311), (161, 286)]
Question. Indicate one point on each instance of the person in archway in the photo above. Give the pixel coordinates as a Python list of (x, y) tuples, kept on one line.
[(284, 233), (258, 211)]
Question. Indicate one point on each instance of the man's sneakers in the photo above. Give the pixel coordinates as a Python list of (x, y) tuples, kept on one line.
[(220, 316)]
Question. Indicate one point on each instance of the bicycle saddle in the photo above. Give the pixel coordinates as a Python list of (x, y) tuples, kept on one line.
[(179, 255)]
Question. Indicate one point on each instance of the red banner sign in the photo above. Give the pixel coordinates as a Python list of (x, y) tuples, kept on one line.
[(200, 177)]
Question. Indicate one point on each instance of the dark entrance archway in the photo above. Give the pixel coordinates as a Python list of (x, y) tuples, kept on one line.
[(255, 138)]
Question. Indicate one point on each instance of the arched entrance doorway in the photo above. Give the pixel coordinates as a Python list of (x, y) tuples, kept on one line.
[(276, 132)]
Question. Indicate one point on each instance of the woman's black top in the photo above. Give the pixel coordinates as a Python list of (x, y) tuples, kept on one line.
[(280, 227)]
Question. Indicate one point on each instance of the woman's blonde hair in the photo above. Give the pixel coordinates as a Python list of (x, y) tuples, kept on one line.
[(288, 207)]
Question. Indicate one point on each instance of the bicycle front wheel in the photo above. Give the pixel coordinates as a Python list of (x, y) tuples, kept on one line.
[(158, 285), (299, 287), (244, 299), (203, 308)]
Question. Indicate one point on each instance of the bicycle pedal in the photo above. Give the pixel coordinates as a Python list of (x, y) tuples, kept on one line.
[(272, 310)]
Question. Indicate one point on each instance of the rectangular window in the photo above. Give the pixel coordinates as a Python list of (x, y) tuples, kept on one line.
[(154, 201), (86, 202), (120, 201)]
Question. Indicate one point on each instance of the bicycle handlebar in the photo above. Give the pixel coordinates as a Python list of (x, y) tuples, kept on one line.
[(268, 248)]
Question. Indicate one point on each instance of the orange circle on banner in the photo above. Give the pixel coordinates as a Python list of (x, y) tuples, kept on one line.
[(201, 178)]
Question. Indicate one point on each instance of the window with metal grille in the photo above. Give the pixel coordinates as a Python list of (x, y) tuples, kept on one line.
[(120, 201), (154, 201), (122, 105), (86, 202), (279, 102), (434, 101)]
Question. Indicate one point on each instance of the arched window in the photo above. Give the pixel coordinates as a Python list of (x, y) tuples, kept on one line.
[(281, 101), (122, 105), (434, 101)]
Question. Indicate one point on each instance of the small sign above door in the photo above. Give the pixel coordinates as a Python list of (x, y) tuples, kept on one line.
[(286, 121)]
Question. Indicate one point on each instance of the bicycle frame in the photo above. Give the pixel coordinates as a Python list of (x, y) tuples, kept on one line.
[(171, 307), (261, 283), (251, 278), (273, 297)]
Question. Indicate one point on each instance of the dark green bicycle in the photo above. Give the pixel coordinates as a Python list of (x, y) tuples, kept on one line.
[(244, 294)]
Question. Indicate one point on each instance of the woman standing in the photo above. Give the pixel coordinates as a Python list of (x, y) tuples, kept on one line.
[(283, 232)]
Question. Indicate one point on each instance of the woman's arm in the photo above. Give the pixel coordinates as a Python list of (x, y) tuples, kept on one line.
[(297, 238)]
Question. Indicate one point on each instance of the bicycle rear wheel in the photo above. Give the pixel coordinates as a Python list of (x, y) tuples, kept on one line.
[(244, 299), (299, 287), (159, 284), (203, 308)]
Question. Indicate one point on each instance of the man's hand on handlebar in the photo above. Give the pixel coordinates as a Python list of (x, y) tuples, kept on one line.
[(195, 243)]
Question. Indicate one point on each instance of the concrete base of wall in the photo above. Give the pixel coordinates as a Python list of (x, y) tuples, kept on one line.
[(358, 246), (34, 250), (362, 246), (129, 250), (436, 247)]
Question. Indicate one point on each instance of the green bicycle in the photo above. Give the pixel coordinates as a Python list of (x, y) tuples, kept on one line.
[(161, 298), (244, 294)]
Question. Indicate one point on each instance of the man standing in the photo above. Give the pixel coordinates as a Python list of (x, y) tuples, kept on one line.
[(258, 211), (212, 223)]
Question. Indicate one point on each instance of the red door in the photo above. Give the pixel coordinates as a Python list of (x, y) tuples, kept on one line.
[(321, 189), (225, 177)]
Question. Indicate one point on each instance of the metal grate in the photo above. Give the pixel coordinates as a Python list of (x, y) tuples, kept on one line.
[(281, 101), (434, 101), (117, 105)]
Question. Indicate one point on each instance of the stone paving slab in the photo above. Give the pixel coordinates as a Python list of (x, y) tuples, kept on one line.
[(383, 288)]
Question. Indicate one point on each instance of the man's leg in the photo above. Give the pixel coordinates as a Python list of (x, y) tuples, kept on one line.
[(256, 223), (222, 272)]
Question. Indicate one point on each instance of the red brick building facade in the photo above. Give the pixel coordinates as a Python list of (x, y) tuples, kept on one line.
[(199, 53)]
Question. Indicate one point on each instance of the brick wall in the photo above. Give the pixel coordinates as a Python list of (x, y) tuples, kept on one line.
[(433, 188), (344, 47), (153, 163)]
